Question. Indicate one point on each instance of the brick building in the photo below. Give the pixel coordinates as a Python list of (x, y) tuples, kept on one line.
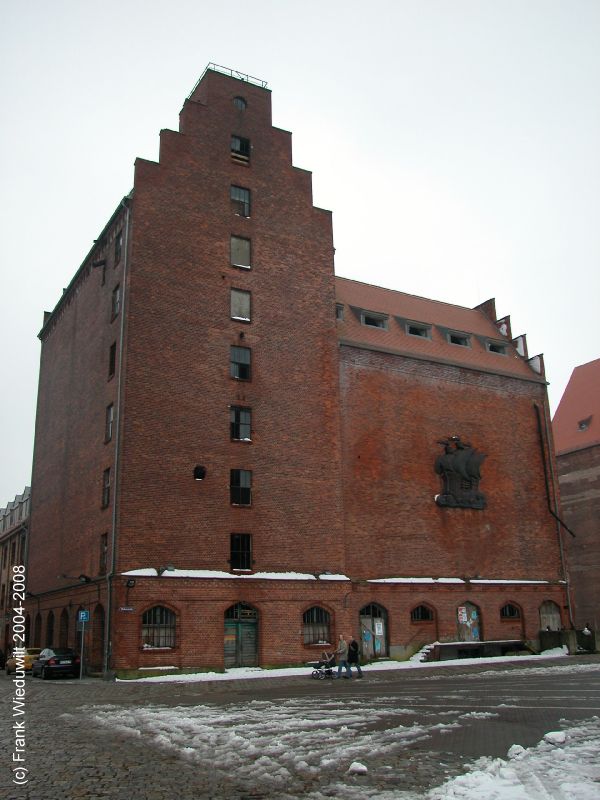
[(239, 456), (576, 427), (14, 525)]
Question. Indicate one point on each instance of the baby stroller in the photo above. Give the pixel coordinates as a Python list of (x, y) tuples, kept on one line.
[(324, 667)]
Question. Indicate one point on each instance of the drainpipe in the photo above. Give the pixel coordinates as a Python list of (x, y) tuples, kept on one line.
[(111, 574), (548, 464)]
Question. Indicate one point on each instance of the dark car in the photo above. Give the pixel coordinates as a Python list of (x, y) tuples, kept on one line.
[(56, 661)]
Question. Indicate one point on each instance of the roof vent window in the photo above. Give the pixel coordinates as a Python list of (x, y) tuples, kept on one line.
[(584, 424)]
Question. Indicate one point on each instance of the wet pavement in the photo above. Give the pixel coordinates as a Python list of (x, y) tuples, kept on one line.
[(67, 753)]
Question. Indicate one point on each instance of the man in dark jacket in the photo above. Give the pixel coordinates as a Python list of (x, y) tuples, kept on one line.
[(354, 656)]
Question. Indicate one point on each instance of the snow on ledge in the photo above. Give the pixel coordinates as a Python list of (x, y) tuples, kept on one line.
[(211, 573), (208, 574)]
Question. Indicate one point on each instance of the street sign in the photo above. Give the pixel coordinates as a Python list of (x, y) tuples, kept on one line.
[(84, 616)]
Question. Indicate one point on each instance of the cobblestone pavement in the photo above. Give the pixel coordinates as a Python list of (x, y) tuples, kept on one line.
[(68, 754)]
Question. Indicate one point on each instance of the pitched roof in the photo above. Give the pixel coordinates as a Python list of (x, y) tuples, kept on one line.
[(576, 423), (440, 320)]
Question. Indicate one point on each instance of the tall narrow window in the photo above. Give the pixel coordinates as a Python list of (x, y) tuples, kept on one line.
[(239, 252), (240, 487), (108, 422), (239, 363), (240, 149), (118, 247), (106, 487), (240, 423), (240, 200), (112, 359), (115, 304), (241, 551), (240, 305), (103, 554), (239, 103)]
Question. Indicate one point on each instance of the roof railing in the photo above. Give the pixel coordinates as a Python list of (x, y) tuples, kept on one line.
[(232, 73)]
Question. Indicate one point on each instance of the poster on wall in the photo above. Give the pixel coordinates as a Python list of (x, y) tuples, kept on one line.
[(378, 628), (462, 614)]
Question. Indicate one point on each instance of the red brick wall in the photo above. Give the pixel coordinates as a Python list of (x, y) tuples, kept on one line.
[(178, 389), (394, 412), (579, 478), (70, 453)]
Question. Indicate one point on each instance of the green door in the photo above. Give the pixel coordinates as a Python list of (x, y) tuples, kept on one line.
[(241, 636)]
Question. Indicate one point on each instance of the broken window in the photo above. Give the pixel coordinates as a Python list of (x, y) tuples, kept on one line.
[(374, 320), (461, 339), (418, 329), (158, 627), (240, 149), (115, 303), (112, 359), (108, 422), (510, 611)]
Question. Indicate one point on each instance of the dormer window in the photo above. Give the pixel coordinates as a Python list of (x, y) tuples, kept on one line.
[(460, 339), (339, 311), (374, 320), (418, 329), (584, 424), (496, 347)]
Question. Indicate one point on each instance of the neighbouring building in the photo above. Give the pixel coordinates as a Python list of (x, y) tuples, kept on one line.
[(239, 457), (14, 524), (576, 427)]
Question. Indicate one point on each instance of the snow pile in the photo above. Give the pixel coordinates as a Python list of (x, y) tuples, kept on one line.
[(565, 765)]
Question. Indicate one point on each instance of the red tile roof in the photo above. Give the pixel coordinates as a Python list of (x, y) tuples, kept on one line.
[(442, 317), (576, 423)]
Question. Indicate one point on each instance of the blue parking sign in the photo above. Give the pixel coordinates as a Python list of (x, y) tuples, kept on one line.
[(84, 616)]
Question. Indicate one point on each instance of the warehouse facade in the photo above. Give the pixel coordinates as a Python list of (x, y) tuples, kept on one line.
[(239, 457)]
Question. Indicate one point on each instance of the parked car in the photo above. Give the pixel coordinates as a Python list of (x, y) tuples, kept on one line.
[(31, 653), (56, 661)]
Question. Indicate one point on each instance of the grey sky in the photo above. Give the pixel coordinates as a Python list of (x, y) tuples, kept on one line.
[(455, 142)]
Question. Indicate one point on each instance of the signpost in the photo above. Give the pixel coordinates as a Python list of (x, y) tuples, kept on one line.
[(82, 618)]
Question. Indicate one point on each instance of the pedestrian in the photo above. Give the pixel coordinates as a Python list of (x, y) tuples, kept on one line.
[(342, 653), (354, 656)]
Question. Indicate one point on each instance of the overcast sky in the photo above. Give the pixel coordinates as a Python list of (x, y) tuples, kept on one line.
[(455, 141)]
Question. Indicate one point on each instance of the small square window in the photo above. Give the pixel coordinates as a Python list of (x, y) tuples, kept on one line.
[(240, 200), (240, 149), (418, 329), (240, 305), (112, 360), (461, 339), (240, 487), (373, 320), (240, 423), (239, 252), (241, 551), (496, 347), (106, 487), (240, 363), (115, 304), (108, 422)]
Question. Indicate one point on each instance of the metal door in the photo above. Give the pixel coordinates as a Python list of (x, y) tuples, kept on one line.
[(373, 631), (241, 636), (467, 618)]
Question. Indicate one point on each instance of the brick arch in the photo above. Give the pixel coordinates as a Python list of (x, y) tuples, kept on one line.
[(50, 629), (63, 629), (426, 605), (37, 630)]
